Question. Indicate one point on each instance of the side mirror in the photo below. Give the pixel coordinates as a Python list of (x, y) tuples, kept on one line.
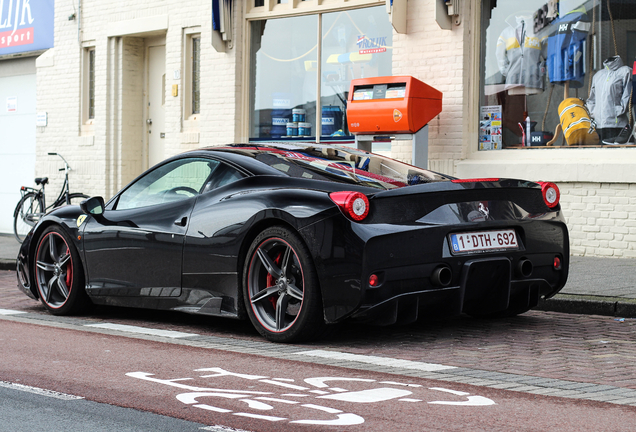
[(93, 206)]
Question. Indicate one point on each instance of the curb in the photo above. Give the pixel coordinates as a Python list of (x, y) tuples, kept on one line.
[(7, 264), (565, 303), (589, 305)]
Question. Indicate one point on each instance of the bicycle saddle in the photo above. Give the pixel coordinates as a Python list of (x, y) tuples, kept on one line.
[(41, 180)]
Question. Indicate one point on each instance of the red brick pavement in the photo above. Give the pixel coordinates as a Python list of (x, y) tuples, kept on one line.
[(581, 348)]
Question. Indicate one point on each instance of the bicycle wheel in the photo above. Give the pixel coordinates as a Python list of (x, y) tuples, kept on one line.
[(26, 215), (77, 197)]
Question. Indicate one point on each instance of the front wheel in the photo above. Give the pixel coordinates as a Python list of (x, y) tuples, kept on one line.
[(281, 288), (26, 215), (58, 274)]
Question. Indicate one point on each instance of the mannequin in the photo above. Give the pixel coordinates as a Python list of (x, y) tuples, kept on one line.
[(609, 97)]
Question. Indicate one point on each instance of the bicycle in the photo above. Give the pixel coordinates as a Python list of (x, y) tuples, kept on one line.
[(32, 204)]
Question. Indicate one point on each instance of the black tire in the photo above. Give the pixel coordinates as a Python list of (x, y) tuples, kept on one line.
[(281, 289), (26, 215), (59, 277)]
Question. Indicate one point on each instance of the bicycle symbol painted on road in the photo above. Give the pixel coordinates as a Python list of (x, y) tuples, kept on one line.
[(317, 398)]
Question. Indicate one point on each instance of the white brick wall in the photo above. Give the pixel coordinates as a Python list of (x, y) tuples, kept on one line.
[(601, 218), (107, 158)]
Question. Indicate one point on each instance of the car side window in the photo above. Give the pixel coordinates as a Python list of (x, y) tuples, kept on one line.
[(222, 175), (174, 181)]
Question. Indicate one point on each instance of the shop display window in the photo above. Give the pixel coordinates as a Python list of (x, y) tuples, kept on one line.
[(285, 76), (557, 73)]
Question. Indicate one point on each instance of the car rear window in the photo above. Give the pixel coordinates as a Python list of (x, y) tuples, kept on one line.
[(341, 164)]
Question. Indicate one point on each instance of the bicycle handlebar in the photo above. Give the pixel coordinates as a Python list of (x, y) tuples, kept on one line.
[(67, 167)]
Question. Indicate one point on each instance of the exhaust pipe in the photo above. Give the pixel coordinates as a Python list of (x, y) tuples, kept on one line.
[(524, 267), (442, 276)]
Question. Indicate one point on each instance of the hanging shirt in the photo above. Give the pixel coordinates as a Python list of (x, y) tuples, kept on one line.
[(520, 55), (609, 95), (566, 59)]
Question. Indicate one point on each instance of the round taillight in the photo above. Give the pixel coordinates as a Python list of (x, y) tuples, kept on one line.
[(557, 263), (551, 194), (353, 204), (374, 280)]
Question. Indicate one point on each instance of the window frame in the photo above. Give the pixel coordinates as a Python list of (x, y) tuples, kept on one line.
[(190, 117), (88, 105)]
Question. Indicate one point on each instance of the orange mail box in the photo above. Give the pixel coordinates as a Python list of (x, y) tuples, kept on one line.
[(393, 104)]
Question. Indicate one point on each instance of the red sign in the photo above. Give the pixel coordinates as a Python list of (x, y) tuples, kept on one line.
[(18, 37)]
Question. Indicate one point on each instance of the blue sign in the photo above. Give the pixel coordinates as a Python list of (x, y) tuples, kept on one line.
[(25, 25)]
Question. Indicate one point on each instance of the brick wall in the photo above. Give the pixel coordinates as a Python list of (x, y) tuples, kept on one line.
[(110, 154), (601, 218)]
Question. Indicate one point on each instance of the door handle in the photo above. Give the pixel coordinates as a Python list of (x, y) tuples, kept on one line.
[(181, 222)]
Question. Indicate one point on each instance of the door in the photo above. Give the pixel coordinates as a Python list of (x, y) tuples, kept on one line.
[(136, 247), (156, 103)]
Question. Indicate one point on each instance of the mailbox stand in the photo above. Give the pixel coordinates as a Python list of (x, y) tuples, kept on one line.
[(393, 108)]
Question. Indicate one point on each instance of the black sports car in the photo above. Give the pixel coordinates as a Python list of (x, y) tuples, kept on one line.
[(299, 236)]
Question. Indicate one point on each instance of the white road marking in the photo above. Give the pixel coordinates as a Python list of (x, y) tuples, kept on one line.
[(380, 361), (320, 381), (368, 396), (471, 400), (322, 408), (39, 391), (270, 399), (218, 428), (10, 312), (260, 417), (142, 330), (282, 384), (410, 400)]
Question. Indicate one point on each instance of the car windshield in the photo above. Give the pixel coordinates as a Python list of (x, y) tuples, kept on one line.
[(340, 164)]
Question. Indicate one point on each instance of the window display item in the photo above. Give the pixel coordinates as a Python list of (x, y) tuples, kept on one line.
[(304, 129), (292, 129), (520, 57), (281, 114), (577, 126), (331, 119), (624, 137), (566, 48), (298, 115), (609, 96)]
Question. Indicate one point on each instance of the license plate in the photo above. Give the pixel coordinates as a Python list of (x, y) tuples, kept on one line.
[(480, 241)]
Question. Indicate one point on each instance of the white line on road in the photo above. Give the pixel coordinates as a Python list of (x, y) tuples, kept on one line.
[(379, 361), (39, 391), (10, 312), (142, 330)]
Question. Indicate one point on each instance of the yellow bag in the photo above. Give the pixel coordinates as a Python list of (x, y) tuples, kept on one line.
[(577, 126)]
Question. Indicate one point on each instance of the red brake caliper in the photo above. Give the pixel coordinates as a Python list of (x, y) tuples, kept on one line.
[(271, 281), (69, 271)]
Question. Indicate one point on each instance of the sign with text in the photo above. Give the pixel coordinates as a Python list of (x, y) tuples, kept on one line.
[(25, 25)]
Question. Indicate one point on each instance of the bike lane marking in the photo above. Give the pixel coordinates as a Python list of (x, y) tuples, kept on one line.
[(264, 402), (512, 382)]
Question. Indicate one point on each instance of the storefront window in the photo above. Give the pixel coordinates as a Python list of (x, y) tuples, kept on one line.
[(556, 73), (284, 70)]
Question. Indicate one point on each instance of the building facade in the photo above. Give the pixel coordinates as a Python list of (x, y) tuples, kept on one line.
[(26, 31), (128, 84)]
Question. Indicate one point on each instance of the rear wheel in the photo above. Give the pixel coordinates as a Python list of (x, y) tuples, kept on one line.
[(281, 289), (58, 274), (26, 215), (75, 198)]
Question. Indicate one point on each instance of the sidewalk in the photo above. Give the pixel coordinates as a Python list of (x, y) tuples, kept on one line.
[(596, 286)]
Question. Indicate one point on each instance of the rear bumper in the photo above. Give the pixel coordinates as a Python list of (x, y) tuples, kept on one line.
[(405, 260)]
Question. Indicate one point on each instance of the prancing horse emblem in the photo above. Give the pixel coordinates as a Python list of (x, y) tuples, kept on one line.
[(484, 210)]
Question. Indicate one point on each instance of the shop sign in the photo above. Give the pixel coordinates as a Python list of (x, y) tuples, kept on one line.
[(25, 25), (12, 104), (368, 45)]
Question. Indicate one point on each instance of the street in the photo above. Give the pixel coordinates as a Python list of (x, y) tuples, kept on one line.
[(540, 371)]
